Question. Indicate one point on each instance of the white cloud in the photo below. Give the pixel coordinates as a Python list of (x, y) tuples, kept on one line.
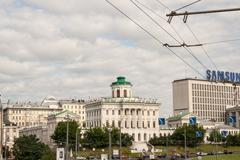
[(72, 48)]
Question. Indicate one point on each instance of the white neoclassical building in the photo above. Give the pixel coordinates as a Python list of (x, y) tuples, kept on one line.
[(136, 116)]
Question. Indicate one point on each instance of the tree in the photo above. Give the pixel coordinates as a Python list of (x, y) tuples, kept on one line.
[(59, 135), (215, 136), (29, 148), (177, 137), (99, 137), (233, 140)]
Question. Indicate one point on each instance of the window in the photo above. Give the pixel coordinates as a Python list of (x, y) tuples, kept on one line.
[(119, 124), (154, 113), (145, 136), (148, 113), (139, 137), (112, 112), (118, 93), (106, 112), (113, 123), (107, 123), (148, 124), (125, 93), (154, 124)]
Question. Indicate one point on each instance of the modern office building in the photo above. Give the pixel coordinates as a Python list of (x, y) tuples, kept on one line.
[(135, 116), (205, 98)]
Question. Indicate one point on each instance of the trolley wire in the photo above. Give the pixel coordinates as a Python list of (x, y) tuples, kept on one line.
[(154, 37), (187, 5), (194, 35), (158, 24)]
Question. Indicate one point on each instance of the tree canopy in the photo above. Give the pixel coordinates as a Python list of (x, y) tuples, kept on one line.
[(59, 135), (177, 138), (99, 137), (29, 148)]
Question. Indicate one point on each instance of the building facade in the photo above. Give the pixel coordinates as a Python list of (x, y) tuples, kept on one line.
[(206, 99), (30, 114), (135, 116), (77, 107), (44, 132)]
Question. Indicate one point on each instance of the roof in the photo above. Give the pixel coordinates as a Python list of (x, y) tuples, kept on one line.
[(179, 116), (203, 80), (63, 112), (121, 81)]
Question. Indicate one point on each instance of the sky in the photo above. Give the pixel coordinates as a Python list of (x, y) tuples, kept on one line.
[(77, 48)]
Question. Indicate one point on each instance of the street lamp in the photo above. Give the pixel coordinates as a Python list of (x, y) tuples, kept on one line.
[(1, 150), (67, 117), (110, 143)]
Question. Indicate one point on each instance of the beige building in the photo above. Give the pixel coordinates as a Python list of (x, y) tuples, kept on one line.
[(206, 99), (24, 115), (33, 114), (75, 106), (44, 132), (135, 116)]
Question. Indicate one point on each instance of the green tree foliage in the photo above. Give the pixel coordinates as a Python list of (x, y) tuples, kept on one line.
[(177, 138), (178, 135), (59, 135), (99, 138), (30, 148), (159, 141), (215, 136), (233, 140)]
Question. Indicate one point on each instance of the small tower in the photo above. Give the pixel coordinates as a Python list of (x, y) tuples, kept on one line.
[(121, 88)]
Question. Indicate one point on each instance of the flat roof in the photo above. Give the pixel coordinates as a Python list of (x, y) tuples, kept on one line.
[(203, 80)]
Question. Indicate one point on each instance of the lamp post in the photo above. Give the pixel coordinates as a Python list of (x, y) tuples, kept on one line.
[(110, 143), (67, 137), (76, 143), (1, 150)]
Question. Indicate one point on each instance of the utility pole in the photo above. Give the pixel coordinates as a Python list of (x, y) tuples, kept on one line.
[(1, 151), (76, 143), (67, 138), (185, 142), (110, 143), (186, 14)]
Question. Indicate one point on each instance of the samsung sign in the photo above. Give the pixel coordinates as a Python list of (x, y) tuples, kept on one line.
[(223, 76)]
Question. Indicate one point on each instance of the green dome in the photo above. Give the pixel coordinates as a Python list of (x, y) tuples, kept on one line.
[(121, 81)]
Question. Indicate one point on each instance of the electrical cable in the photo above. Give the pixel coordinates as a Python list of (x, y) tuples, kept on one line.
[(194, 35), (223, 41), (154, 37), (187, 5), (187, 49)]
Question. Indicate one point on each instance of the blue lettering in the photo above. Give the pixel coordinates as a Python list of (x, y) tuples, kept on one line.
[(232, 76), (214, 75), (208, 75), (220, 75), (227, 77), (237, 77)]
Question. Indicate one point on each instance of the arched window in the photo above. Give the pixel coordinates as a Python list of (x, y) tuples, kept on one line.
[(125, 93), (118, 93)]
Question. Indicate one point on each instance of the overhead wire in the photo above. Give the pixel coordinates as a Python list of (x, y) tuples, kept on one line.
[(158, 24), (194, 35), (187, 5), (223, 41), (154, 37)]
